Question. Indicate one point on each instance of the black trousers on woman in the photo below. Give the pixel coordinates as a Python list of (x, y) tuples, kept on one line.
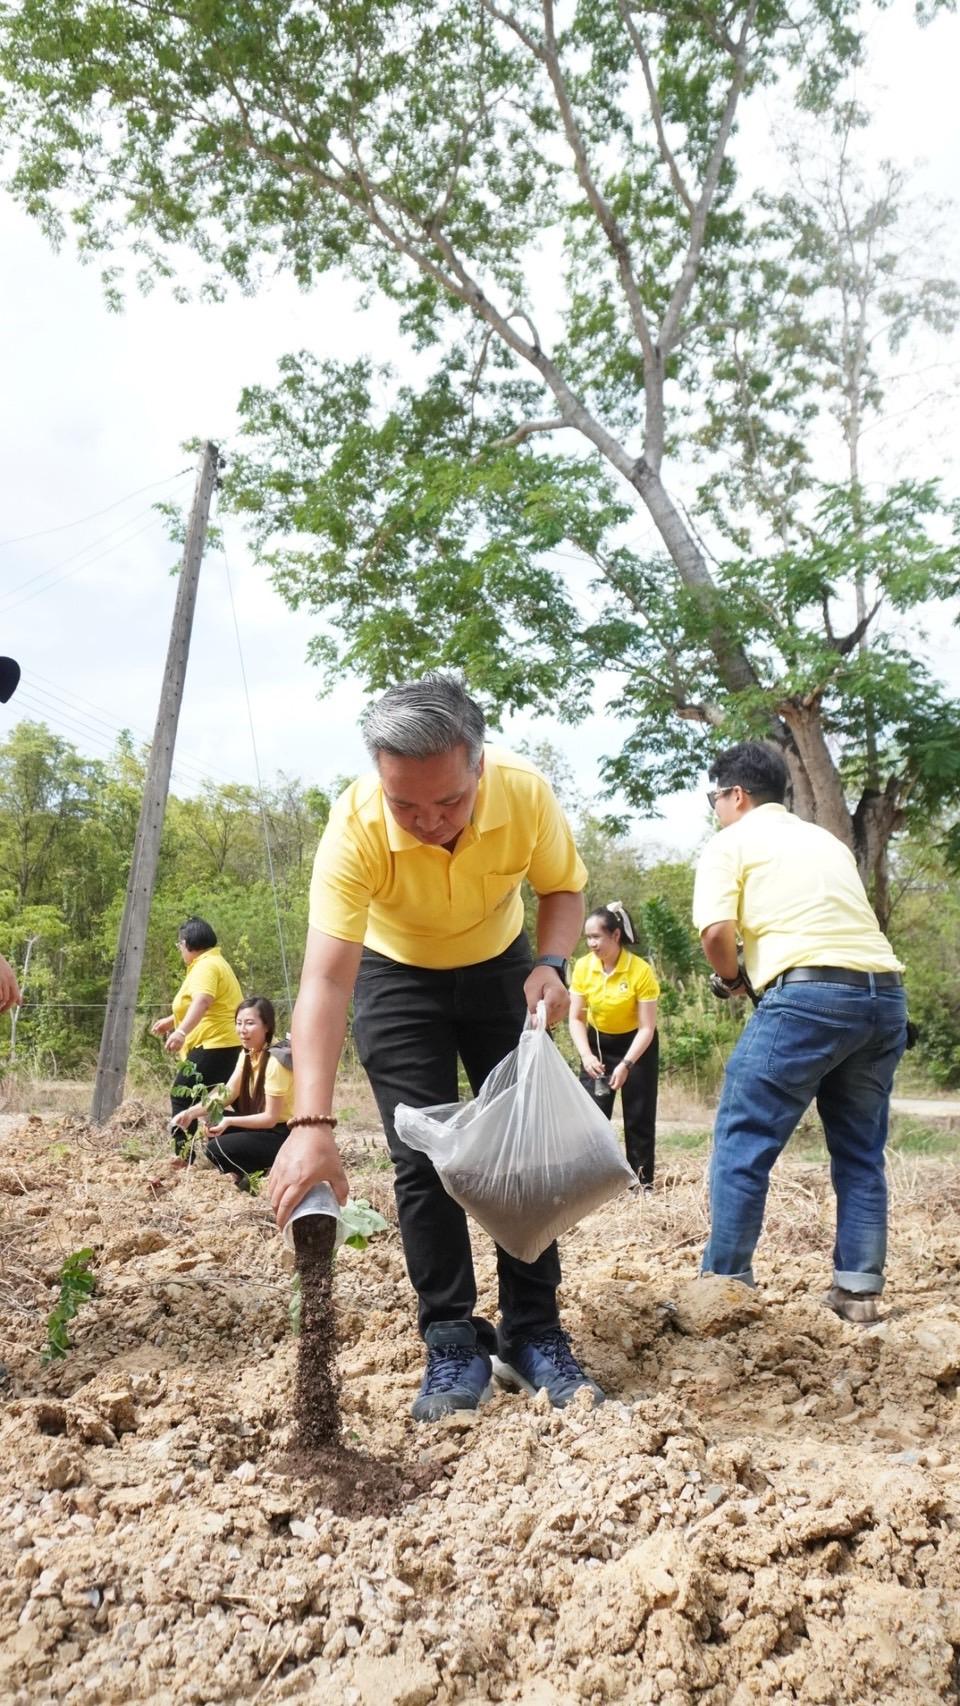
[(638, 1098), (242, 1150), (411, 1025), (214, 1066)]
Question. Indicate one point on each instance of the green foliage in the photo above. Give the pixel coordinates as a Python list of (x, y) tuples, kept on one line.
[(66, 832), (452, 155), (360, 1223), (77, 1284)]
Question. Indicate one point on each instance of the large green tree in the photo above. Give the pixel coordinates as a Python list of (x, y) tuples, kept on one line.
[(550, 196)]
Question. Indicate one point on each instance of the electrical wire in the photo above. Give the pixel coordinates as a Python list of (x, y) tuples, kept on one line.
[(78, 567), (97, 718), (63, 526)]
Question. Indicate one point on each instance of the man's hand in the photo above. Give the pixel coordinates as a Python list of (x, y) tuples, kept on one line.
[(9, 988), (546, 985), (309, 1157)]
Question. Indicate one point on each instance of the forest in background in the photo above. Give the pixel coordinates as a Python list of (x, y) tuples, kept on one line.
[(67, 825)]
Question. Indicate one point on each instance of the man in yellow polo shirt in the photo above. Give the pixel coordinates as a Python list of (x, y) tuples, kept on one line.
[(830, 1025), (416, 901)]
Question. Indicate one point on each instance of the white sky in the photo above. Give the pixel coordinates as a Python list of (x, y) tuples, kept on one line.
[(96, 406)]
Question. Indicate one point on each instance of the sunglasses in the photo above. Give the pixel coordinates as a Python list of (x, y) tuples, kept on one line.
[(714, 795)]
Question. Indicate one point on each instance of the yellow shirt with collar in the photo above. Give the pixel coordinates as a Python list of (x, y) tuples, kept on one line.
[(210, 975), (795, 892), (277, 1081), (375, 883), (612, 997)]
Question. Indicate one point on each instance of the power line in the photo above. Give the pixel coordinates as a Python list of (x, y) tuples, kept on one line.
[(62, 527), (67, 725), (97, 719), (82, 551), (78, 567)]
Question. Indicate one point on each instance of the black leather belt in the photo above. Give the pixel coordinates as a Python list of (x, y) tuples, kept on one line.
[(838, 974)]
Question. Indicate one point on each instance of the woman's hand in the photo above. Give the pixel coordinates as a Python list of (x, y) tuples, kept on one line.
[(308, 1157), (593, 1067), (218, 1129), (619, 1075), (175, 1041), (160, 1027), (187, 1117)]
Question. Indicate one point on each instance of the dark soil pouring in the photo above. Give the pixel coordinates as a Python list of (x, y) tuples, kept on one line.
[(317, 1395), (348, 1481)]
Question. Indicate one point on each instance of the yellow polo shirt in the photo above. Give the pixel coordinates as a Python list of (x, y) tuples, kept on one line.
[(375, 883), (612, 997), (277, 1081), (209, 974), (795, 893)]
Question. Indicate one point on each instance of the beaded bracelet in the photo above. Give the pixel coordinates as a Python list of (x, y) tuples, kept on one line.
[(312, 1119)]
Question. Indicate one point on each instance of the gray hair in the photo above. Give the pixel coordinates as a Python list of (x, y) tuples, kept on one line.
[(420, 719)]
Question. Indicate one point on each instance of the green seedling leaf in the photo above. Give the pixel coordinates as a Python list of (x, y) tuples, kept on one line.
[(360, 1223), (77, 1284)]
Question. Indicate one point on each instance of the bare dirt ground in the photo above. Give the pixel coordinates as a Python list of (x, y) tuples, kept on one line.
[(767, 1509)]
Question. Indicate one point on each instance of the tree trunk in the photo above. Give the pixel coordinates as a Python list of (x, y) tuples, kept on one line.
[(823, 785), (876, 819)]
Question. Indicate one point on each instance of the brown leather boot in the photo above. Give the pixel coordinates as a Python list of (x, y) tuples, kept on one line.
[(860, 1307)]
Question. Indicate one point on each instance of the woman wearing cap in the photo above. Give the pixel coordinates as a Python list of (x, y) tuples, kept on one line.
[(259, 1098), (613, 1023)]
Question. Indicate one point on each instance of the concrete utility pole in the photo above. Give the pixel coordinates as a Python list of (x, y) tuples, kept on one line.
[(128, 965)]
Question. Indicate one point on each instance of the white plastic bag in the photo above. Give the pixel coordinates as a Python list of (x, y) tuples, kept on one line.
[(530, 1156)]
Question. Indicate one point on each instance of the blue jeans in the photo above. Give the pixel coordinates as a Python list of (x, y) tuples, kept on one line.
[(840, 1045)]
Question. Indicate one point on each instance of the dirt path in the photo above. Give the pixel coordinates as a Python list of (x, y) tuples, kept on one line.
[(766, 1510), (926, 1107)]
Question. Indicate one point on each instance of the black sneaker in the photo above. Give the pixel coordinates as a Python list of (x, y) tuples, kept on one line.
[(545, 1363), (457, 1375)]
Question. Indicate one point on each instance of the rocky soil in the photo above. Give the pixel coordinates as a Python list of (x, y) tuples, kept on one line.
[(767, 1508)]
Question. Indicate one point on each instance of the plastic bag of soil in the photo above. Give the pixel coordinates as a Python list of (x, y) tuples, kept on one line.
[(530, 1156)]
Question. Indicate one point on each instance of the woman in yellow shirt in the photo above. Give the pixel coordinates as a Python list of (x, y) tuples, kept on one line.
[(200, 1026), (613, 1001), (259, 1098)]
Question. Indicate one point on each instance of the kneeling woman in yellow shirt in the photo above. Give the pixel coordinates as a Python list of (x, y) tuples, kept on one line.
[(614, 993), (259, 1098)]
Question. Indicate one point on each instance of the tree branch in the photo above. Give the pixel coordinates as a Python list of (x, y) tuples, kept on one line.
[(656, 111), (698, 224), (603, 212), (856, 634), (526, 430)]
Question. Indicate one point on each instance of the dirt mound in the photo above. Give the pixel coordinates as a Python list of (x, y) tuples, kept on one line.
[(766, 1509)]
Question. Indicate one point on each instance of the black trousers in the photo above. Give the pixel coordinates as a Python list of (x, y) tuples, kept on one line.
[(638, 1098), (243, 1151), (411, 1026), (214, 1066)]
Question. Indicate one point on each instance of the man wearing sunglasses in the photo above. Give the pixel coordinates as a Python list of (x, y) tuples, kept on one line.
[(830, 1025)]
